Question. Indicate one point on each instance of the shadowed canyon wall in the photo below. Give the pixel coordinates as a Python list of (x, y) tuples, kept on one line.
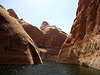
[(16, 46), (82, 46)]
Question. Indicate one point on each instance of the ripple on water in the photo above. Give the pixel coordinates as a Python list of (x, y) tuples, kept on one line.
[(48, 68)]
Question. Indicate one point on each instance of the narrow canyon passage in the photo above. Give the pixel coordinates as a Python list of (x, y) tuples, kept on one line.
[(62, 53)]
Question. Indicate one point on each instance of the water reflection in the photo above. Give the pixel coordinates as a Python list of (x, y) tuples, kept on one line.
[(48, 68)]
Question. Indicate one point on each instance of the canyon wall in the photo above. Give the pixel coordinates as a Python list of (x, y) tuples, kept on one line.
[(82, 46), (16, 46), (54, 36), (48, 38), (53, 40)]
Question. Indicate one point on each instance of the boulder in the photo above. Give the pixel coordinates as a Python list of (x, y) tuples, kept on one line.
[(82, 46), (16, 47)]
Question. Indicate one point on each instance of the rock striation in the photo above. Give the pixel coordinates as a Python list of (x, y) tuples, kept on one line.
[(16, 46), (82, 46)]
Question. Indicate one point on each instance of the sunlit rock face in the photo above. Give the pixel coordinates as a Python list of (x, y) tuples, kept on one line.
[(12, 13), (16, 47), (82, 46)]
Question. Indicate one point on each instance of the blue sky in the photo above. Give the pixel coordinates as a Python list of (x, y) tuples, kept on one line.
[(56, 12)]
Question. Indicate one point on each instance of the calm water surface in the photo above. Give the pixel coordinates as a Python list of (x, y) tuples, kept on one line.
[(48, 68)]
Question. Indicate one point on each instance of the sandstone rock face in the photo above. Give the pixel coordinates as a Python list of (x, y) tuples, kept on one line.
[(49, 38), (82, 46), (54, 38), (16, 47), (49, 54), (12, 13), (35, 33)]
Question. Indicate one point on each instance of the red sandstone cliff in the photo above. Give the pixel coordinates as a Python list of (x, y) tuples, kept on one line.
[(82, 46), (16, 47), (53, 40), (48, 38), (54, 36)]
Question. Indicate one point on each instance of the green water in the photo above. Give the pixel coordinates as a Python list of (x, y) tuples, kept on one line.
[(48, 68)]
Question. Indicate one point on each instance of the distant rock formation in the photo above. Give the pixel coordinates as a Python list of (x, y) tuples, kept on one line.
[(16, 47), (12, 13), (54, 38), (44, 25), (82, 46)]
